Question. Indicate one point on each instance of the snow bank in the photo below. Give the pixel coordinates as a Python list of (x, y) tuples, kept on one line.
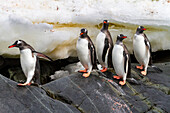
[(32, 21)]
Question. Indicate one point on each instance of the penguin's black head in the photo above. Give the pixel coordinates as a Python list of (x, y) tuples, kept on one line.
[(105, 24), (18, 43), (140, 29), (121, 37), (83, 32), (105, 21)]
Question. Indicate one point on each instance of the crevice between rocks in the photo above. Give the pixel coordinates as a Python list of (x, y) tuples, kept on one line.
[(147, 82), (146, 101), (62, 99)]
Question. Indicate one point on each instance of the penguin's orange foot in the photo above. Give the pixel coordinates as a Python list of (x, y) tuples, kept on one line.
[(86, 74), (143, 73), (139, 67), (117, 77), (122, 82), (25, 84), (84, 71), (104, 69)]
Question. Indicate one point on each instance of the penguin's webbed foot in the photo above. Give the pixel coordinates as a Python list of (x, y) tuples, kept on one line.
[(122, 82), (139, 67), (143, 73), (104, 69), (25, 84), (84, 71), (86, 74), (117, 77)]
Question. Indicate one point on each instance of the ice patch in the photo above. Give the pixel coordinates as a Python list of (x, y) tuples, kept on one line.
[(59, 74)]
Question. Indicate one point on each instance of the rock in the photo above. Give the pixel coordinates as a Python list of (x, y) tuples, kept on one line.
[(1, 62), (95, 94), (29, 99), (17, 74), (151, 93), (90, 95)]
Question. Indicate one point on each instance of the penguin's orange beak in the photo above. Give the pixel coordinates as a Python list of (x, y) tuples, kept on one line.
[(105, 22), (81, 33), (11, 46), (124, 37), (144, 29)]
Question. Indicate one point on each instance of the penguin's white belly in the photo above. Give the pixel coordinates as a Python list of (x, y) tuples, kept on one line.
[(28, 62), (99, 48), (83, 53), (140, 50), (118, 60)]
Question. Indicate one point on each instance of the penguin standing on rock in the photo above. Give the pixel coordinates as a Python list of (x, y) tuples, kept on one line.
[(142, 50), (29, 61), (104, 46), (86, 53), (121, 60)]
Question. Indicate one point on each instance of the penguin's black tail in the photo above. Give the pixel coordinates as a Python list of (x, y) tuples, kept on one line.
[(156, 69)]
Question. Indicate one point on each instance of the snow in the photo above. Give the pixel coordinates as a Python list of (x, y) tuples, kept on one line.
[(33, 20)]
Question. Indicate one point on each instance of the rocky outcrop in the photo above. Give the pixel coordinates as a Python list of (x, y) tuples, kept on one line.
[(14, 99), (95, 94)]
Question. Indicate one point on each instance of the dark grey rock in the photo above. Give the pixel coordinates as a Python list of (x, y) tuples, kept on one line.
[(91, 95), (95, 94), (29, 99), (149, 93)]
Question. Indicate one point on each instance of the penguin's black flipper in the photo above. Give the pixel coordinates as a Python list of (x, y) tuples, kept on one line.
[(38, 54), (92, 54), (110, 64), (36, 77), (110, 43), (148, 45), (129, 68), (125, 61), (106, 46)]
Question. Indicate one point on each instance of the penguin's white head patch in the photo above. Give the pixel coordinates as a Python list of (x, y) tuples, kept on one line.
[(19, 42), (85, 30), (141, 27)]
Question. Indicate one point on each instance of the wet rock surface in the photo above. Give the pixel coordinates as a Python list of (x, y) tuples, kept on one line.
[(95, 94)]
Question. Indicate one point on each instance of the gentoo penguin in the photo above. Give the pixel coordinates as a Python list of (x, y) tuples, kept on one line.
[(29, 61), (142, 49), (104, 46), (86, 53), (121, 59)]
